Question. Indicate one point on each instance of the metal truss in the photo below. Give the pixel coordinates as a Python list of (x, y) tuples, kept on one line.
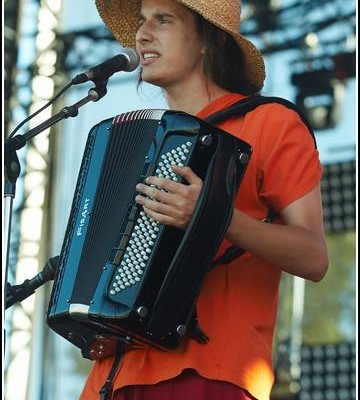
[(282, 26), (30, 85), (11, 11)]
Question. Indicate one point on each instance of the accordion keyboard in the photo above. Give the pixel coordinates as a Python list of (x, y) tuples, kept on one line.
[(136, 248)]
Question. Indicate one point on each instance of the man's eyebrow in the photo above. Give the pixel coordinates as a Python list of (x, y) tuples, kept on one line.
[(157, 15), (163, 14)]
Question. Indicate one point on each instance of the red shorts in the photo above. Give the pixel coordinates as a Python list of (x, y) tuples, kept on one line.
[(187, 386)]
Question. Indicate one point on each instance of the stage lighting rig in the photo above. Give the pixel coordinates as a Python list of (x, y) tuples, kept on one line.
[(328, 372), (321, 83), (345, 65), (320, 95), (265, 13)]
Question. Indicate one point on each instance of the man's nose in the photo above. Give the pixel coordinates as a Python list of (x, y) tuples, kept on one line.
[(144, 33)]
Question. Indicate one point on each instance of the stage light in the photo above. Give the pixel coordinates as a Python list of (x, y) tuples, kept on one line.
[(345, 65), (265, 12), (320, 95), (328, 372), (338, 187)]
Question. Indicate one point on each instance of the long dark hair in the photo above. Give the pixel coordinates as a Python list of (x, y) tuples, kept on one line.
[(223, 61)]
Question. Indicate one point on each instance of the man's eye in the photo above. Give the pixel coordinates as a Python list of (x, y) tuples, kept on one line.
[(164, 21)]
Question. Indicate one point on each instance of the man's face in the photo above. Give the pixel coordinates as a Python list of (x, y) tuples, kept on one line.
[(168, 42)]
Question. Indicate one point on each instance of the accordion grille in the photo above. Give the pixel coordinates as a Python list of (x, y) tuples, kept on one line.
[(122, 165)]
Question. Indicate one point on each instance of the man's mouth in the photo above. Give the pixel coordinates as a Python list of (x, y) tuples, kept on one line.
[(150, 56)]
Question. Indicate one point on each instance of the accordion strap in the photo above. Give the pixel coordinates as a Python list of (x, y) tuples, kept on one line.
[(106, 390), (239, 109), (248, 104)]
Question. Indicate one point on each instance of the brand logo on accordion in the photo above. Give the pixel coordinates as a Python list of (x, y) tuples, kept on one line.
[(84, 214)]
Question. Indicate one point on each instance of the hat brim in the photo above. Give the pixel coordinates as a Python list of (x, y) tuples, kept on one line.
[(122, 19)]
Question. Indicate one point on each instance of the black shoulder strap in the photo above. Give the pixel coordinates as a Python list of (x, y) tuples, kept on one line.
[(240, 108), (243, 106)]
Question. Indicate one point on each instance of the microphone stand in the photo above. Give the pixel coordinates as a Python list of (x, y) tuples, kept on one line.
[(18, 293), (12, 164), (19, 141)]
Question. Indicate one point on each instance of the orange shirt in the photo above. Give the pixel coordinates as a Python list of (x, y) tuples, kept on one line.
[(237, 305)]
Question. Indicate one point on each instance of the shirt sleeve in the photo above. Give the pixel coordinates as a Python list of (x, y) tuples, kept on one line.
[(290, 161)]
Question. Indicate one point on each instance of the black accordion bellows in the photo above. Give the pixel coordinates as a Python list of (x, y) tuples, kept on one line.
[(122, 276)]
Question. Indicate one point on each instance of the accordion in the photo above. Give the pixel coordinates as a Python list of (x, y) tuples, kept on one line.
[(123, 277)]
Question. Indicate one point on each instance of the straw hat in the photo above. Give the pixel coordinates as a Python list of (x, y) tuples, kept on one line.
[(121, 17)]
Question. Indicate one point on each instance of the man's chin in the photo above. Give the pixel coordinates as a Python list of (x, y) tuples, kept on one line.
[(152, 80)]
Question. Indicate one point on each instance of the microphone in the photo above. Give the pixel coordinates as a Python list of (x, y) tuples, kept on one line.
[(127, 61), (18, 293)]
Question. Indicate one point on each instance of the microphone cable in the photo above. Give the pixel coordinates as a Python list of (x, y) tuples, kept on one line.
[(104, 70), (40, 109)]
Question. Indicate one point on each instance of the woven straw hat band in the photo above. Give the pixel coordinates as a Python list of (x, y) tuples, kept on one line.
[(121, 18)]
